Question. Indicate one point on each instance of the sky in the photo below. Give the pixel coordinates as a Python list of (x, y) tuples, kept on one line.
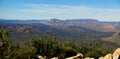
[(103, 10)]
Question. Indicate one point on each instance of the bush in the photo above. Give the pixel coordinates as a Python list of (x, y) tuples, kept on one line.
[(7, 48), (93, 53), (45, 47), (67, 51)]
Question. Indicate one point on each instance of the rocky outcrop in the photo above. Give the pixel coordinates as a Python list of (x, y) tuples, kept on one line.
[(115, 55), (88, 58), (54, 58), (101, 57), (41, 57), (108, 56), (78, 56)]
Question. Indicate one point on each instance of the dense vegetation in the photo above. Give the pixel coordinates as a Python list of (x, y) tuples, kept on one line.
[(47, 47), (8, 50)]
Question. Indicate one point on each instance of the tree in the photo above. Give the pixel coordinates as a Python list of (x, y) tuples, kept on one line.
[(4, 34), (7, 48), (66, 51), (45, 47), (94, 53)]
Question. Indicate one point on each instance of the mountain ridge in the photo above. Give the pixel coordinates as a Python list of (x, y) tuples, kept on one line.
[(92, 24), (80, 29)]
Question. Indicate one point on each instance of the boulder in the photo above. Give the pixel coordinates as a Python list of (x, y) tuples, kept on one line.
[(88, 58), (41, 57), (101, 57), (116, 54), (54, 58), (108, 56), (78, 56)]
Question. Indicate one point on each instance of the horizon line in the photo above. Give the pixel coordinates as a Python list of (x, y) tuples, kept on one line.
[(63, 19)]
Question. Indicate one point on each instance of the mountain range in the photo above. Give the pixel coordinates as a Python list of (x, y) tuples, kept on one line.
[(80, 29), (86, 23)]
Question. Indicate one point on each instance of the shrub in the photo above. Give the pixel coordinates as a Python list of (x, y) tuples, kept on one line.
[(67, 51), (45, 47), (93, 53)]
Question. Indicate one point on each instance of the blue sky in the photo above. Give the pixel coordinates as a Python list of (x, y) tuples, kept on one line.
[(104, 10)]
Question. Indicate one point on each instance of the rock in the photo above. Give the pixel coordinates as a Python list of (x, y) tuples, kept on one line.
[(108, 56), (54, 58), (78, 56), (101, 57), (88, 58), (116, 54), (41, 57)]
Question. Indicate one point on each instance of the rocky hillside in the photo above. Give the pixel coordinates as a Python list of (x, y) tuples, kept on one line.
[(115, 38), (80, 29), (92, 24), (87, 23)]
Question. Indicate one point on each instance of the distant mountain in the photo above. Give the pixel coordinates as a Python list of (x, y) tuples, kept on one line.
[(26, 31), (82, 30), (92, 24), (83, 20), (5, 21), (87, 23), (69, 29)]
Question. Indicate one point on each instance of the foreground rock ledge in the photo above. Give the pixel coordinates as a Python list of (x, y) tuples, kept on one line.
[(115, 55)]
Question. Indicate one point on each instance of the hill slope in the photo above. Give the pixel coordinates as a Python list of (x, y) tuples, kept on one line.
[(115, 38)]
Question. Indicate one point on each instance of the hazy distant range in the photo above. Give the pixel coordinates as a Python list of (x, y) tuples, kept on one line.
[(79, 29)]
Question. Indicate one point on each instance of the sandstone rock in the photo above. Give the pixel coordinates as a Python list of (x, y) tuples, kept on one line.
[(101, 57), (116, 54), (41, 57), (108, 56), (78, 56), (54, 58), (88, 58)]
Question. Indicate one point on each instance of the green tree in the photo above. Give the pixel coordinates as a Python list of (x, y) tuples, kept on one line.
[(7, 48), (66, 51), (94, 53), (4, 34), (45, 47)]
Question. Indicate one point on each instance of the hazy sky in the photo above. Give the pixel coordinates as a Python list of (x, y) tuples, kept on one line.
[(105, 10)]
